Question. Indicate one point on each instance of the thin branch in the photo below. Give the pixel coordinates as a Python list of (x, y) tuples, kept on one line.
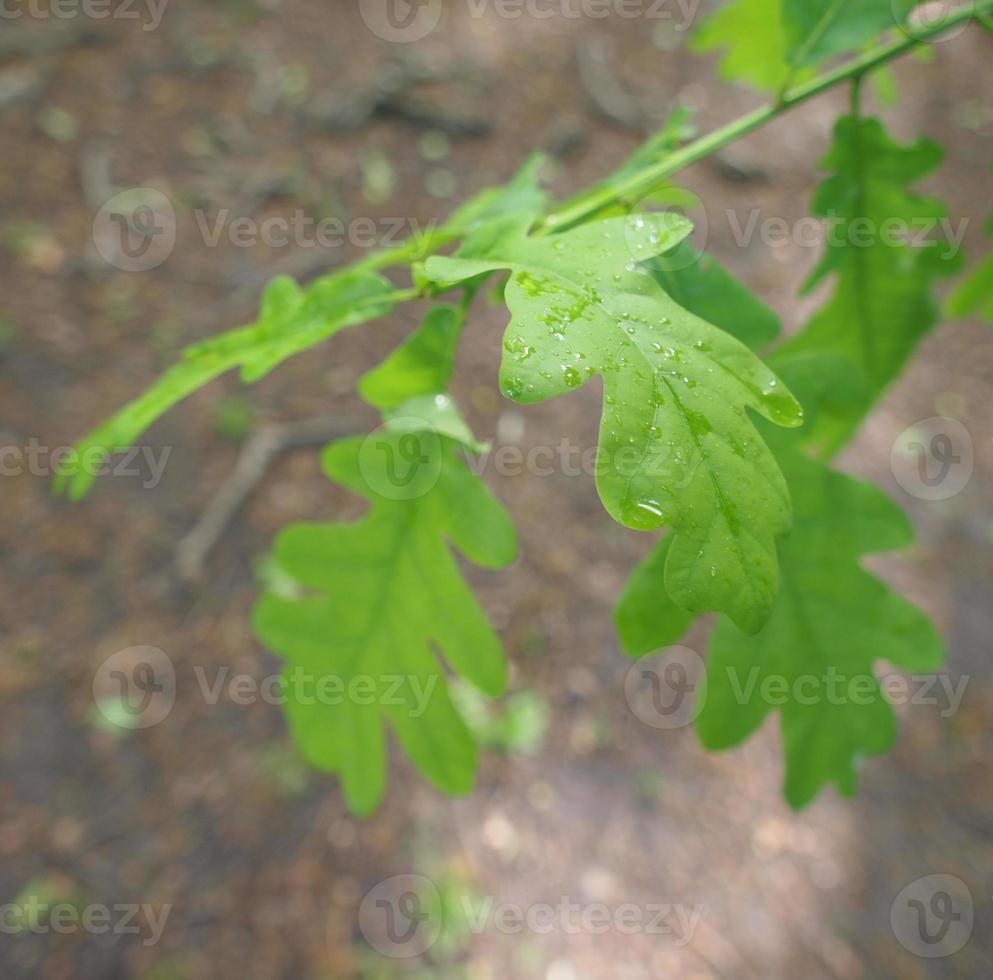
[(637, 185), (258, 454)]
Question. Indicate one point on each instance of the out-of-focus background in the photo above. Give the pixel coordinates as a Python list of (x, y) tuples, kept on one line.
[(236, 860)]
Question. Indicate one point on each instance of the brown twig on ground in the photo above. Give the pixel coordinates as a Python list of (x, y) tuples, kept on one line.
[(391, 94), (257, 455)]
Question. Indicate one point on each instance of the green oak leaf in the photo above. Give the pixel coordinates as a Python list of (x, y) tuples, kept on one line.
[(882, 302), (408, 386), (698, 283), (290, 320), (436, 413), (646, 617), (831, 619), (974, 296), (522, 194), (753, 38), (816, 31), (832, 622), (383, 598), (676, 444), (770, 43), (421, 365)]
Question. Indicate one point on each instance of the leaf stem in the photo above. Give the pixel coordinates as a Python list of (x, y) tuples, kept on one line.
[(639, 184)]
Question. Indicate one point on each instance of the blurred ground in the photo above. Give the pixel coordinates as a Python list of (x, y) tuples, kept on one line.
[(265, 109)]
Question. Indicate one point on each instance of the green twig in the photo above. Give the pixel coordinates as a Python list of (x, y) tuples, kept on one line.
[(639, 184), (636, 186)]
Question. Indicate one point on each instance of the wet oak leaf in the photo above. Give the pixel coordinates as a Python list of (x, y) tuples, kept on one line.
[(645, 616), (831, 621), (676, 444), (814, 659)]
